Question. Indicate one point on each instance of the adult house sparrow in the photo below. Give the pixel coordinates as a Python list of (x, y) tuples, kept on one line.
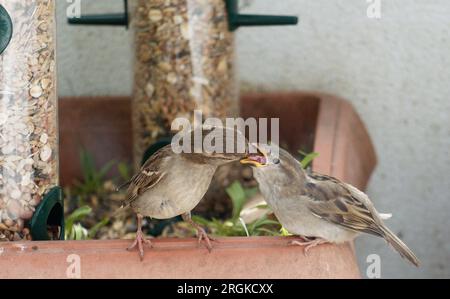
[(171, 184), (319, 206)]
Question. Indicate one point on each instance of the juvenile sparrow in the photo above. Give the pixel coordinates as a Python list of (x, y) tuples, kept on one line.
[(171, 184), (317, 206)]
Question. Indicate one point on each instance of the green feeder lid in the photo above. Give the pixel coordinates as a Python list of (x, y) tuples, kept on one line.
[(236, 20), (6, 29), (48, 214), (117, 19)]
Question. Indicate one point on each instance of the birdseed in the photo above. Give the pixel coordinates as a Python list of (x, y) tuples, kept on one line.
[(184, 61), (28, 115)]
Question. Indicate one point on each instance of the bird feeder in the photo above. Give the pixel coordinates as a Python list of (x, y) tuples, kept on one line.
[(184, 61), (30, 199)]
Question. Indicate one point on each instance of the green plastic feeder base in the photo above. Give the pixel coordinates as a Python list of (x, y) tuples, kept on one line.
[(6, 29), (49, 213), (154, 148)]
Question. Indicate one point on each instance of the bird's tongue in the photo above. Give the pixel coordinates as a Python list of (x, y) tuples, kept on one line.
[(257, 158)]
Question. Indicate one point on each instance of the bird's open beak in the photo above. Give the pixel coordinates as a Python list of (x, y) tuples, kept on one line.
[(258, 159), (254, 160)]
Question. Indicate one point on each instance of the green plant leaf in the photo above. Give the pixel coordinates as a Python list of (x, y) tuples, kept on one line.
[(244, 226), (261, 222), (124, 171), (238, 197), (233, 226), (87, 165), (104, 170), (79, 232), (93, 179), (76, 215), (200, 220), (249, 192), (93, 230), (308, 158), (284, 232)]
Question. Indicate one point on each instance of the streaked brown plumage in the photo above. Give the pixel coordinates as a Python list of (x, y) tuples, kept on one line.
[(171, 184), (319, 206)]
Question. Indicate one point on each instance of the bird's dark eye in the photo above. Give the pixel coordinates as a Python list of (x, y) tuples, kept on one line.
[(276, 161)]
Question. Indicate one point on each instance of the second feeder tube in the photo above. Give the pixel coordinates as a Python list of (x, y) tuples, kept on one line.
[(184, 61)]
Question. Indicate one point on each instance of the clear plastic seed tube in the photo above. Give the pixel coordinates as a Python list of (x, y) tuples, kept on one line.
[(184, 61), (28, 115)]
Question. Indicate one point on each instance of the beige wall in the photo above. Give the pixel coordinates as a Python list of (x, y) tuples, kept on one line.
[(395, 70)]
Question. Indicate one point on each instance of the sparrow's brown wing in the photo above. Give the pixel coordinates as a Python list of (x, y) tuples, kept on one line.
[(338, 203), (345, 205), (149, 175)]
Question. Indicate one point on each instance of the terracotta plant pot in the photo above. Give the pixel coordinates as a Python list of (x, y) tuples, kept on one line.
[(311, 121), (238, 257)]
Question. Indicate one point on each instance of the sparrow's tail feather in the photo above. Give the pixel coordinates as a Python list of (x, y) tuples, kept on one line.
[(385, 216), (399, 246)]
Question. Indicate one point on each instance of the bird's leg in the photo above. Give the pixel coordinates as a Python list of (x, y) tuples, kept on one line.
[(140, 238), (309, 243), (201, 233)]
